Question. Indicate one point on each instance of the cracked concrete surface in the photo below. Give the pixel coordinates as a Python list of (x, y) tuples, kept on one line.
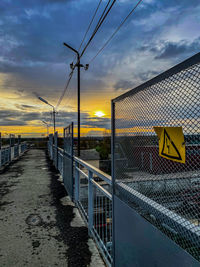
[(39, 225)]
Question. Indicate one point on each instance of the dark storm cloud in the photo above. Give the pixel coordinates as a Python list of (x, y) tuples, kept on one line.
[(8, 122), (63, 118), (25, 107), (123, 85), (10, 117), (141, 77), (144, 76), (7, 113), (171, 50), (95, 122)]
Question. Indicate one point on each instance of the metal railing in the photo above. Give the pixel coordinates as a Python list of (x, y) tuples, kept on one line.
[(8, 153), (5, 155), (93, 197)]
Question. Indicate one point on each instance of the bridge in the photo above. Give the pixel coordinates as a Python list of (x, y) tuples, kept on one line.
[(39, 224), (58, 210)]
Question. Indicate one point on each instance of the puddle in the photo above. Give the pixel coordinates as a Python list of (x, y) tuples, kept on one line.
[(34, 220)]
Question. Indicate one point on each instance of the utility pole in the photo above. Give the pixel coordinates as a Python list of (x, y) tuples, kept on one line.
[(78, 65)]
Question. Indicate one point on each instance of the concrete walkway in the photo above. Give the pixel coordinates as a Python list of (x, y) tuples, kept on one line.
[(39, 225)]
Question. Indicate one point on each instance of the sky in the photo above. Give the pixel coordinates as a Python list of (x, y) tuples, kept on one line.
[(33, 60)]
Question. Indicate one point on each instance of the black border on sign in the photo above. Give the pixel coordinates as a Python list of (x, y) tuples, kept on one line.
[(166, 155)]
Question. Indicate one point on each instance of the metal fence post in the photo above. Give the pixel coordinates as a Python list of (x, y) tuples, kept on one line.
[(19, 143), (10, 148), (0, 149), (113, 177), (76, 182), (90, 203)]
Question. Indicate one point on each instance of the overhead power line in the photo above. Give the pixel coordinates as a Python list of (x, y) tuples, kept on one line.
[(118, 28), (90, 24), (70, 75), (101, 20), (99, 23), (63, 93)]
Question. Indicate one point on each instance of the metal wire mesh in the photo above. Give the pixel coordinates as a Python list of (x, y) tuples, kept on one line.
[(169, 191), (60, 161), (5, 155), (103, 222), (83, 193), (68, 160)]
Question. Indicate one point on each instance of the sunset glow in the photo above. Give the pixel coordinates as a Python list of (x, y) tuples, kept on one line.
[(99, 114), (35, 62)]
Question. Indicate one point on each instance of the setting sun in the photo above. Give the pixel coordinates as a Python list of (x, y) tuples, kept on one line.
[(99, 113)]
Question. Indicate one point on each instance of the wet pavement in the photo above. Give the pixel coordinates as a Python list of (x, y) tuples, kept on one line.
[(39, 225)]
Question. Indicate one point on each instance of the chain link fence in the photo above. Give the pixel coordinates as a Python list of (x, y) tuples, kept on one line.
[(164, 191), (68, 160)]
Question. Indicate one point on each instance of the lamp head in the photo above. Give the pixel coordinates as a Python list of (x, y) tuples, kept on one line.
[(43, 100), (86, 66)]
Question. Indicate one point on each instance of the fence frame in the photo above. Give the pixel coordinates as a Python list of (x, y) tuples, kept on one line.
[(138, 197)]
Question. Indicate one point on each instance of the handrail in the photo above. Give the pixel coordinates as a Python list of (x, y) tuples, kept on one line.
[(82, 172), (60, 149), (92, 197), (99, 173), (102, 189)]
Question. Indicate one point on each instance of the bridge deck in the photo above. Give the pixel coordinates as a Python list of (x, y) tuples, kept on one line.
[(39, 225)]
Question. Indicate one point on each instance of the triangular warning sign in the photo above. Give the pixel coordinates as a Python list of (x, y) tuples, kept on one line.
[(169, 149), (171, 143)]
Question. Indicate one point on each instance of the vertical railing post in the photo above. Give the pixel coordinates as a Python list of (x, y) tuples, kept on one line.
[(19, 144), (72, 158), (55, 150), (0, 149), (90, 203), (10, 148), (77, 181)]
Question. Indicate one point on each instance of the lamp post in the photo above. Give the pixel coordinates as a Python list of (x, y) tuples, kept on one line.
[(47, 127), (78, 65), (54, 112)]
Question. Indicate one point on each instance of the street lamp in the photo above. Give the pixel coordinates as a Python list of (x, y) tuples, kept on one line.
[(54, 112), (47, 127), (72, 66)]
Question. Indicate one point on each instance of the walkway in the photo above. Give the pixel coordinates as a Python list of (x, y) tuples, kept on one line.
[(39, 225)]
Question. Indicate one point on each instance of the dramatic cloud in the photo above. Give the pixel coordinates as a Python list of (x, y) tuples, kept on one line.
[(123, 85), (158, 35), (171, 50)]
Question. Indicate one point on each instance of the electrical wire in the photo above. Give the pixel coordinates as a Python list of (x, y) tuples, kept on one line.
[(64, 91), (118, 28), (100, 22), (89, 26), (70, 76)]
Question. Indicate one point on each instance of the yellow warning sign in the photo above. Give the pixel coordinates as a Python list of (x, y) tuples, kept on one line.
[(171, 143)]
